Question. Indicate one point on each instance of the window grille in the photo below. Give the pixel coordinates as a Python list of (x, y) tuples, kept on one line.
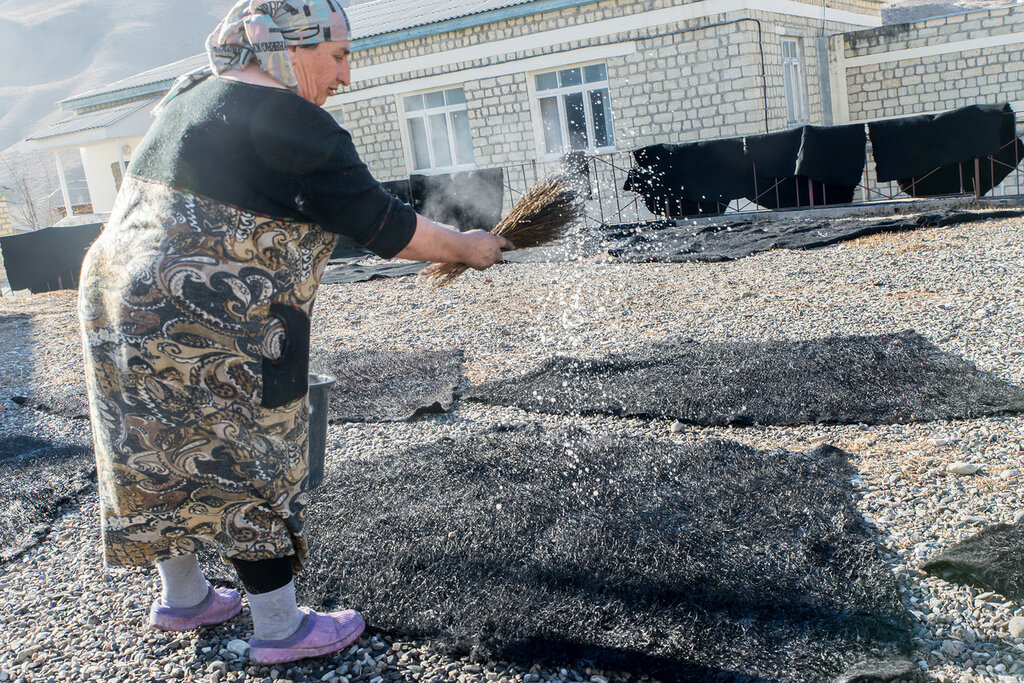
[(575, 109), (438, 126), (793, 82)]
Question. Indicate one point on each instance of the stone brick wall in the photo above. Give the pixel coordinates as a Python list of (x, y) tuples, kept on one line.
[(703, 81), (374, 127), (574, 16), (915, 84), (5, 229), (5, 218)]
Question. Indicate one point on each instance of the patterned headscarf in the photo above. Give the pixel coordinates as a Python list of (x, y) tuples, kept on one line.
[(262, 30)]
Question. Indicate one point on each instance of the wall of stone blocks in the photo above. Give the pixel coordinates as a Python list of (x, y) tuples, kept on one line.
[(373, 124), (702, 82), (5, 218), (936, 82), (573, 16)]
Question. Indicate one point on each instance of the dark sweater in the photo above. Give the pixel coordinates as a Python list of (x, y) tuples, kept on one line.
[(269, 151)]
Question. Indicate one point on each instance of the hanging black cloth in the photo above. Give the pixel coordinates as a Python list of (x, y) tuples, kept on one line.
[(697, 178), (466, 200), (810, 165), (933, 154), (833, 155), (49, 258), (806, 166), (575, 169)]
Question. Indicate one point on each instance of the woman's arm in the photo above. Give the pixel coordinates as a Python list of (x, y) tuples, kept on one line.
[(432, 241)]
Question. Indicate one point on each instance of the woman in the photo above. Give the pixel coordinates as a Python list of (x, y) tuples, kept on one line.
[(195, 305)]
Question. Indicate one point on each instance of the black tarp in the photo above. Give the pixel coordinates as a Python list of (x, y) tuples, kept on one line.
[(465, 200), (39, 478), (697, 178), (774, 154), (833, 155), (49, 258), (934, 154), (711, 561), (992, 559), (806, 166), (883, 379), (353, 269), (69, 401), (809, 165), (389, 386), (575, 169)]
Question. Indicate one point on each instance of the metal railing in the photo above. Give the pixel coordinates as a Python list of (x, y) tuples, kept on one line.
[(608, 203)]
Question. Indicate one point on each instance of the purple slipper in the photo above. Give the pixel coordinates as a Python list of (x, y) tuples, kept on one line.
[(219, 605), (318, 634)]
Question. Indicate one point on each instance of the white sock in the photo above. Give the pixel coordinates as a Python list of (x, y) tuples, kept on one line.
[(183, 582), (275, 615)]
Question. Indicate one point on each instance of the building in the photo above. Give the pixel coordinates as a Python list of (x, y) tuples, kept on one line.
[(104, 126), (465, 84)]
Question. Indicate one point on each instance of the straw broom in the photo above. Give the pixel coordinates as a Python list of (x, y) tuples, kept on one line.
[(540, 216)]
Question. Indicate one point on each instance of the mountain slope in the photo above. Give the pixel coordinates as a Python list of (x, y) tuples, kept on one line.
[(56, 49)]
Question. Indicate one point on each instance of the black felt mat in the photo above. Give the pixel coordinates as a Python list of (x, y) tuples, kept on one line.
[(70, 401), (39, 478), (349, 270), (389, 386), (738, 240), (992, 559), (883, 379), (711, 561), (664, 242)]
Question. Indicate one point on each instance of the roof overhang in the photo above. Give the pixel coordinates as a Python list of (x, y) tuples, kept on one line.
[(88, 129)]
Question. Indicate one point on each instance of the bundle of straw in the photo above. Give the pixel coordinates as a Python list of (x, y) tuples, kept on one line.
[(540, 216)]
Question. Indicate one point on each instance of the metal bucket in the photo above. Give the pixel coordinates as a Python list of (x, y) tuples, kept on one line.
[(319, 391)]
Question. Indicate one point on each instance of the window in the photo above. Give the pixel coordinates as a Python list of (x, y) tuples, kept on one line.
[(575, 111), (793, 81), (338, 115), (438, 128)]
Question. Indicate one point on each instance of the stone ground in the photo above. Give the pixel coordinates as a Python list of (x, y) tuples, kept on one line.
[(63, 617)]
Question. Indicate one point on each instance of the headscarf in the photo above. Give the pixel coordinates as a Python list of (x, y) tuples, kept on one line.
[(262, 30)]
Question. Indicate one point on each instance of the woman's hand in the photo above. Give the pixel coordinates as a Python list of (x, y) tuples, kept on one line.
[(482, 249), (432, 241)]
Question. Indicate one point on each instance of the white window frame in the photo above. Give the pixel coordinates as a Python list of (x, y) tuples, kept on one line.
[(338, 114), (446, 109), (795, 86), (535, 96)]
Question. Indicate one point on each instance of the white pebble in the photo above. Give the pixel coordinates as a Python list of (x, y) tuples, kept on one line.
[(1017, 627), (239, 647), (962, 468)]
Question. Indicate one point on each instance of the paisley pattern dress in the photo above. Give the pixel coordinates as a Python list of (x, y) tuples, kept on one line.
[(195, 320)]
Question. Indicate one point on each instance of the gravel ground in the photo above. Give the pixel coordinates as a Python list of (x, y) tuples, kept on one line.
[(64, 618)]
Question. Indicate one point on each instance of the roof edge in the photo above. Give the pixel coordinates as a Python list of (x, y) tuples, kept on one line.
[(107, 97), (114, 96), (464, 22)]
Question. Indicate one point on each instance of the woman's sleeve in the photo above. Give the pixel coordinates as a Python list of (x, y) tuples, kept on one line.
[(335, 189), (344, 198)]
